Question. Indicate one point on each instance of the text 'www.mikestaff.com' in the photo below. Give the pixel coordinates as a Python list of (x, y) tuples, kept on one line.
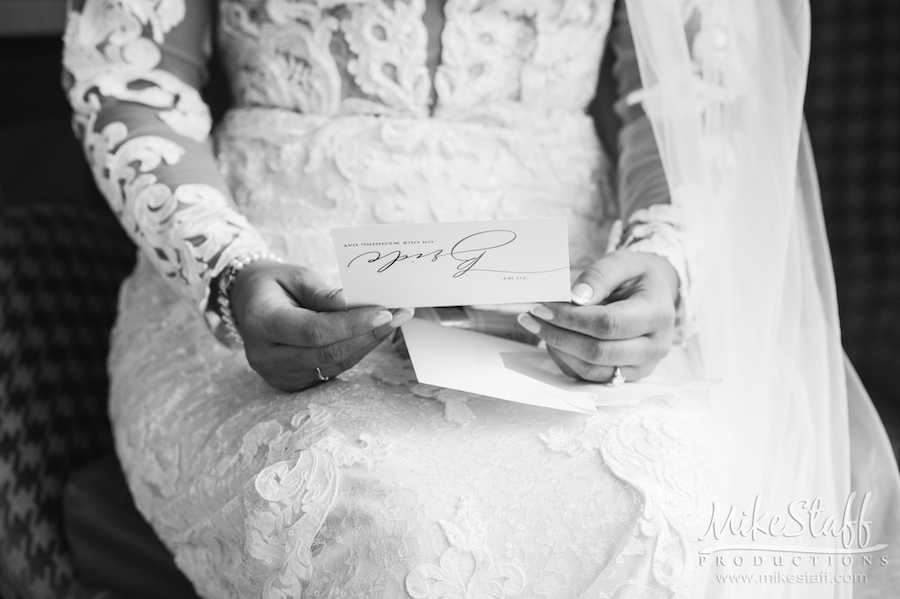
[(784, 578)]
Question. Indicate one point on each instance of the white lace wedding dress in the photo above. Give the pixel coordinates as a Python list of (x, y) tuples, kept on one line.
[(372, 485)]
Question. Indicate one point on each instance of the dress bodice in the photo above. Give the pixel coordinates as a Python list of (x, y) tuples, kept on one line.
[(333, 57), (338, 121), (346, 113)]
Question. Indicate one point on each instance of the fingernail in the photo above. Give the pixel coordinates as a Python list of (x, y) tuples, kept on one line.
[(382, 317), (401, 317), (334, 292), (529, 323), (581, 293), (542, 312)]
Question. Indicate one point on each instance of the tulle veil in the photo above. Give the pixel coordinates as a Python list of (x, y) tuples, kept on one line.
[(723, 86)]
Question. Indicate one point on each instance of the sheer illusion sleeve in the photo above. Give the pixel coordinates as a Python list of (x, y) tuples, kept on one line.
[(650, 222), (132, 71)]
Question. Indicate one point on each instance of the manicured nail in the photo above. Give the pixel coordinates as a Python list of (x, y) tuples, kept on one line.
[(542, 312), (382, 317), (529, 323), (401, 317), (581, 293)]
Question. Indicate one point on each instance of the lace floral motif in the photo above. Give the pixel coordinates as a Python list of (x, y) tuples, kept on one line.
[(297, 176), (563, 64), (297, 499), (389, 44), (658, 457), (455, 408), (368, 56), (466, 569), (107, 55), (284, 60), (526, 51), (482, 57), (190, 232), (296, 495), (597, 502), (185, 230), (654, 452)]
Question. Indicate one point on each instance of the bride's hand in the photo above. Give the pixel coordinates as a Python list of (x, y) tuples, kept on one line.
[(623, 315), (292, 323)]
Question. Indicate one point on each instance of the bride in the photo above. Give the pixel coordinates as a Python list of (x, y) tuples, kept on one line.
[(280, 449)]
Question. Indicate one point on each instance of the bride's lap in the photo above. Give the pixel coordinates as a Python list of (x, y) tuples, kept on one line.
[(373, 484)]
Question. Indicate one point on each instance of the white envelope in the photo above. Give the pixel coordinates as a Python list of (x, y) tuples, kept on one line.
[(418, 265), (487, 365)]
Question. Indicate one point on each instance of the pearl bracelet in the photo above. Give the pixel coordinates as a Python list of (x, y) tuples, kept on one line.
[(226, 282)]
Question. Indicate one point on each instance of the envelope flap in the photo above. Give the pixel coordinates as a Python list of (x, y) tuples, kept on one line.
[(446, 354)]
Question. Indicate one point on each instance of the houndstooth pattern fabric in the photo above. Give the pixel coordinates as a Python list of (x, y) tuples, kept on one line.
[(854, 121), (60, 269)]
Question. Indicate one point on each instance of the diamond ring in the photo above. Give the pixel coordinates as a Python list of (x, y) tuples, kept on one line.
[(618, 379)]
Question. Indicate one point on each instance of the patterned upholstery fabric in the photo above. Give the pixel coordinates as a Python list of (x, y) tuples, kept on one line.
[(60, 269), (854, 121)]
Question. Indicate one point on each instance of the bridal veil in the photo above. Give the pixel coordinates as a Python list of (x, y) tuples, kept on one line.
[(811, 481)]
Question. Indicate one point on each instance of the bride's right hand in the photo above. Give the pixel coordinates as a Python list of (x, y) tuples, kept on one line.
[(292, 324)]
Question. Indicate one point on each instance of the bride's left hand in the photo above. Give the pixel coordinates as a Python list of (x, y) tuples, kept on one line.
[(623, 314)]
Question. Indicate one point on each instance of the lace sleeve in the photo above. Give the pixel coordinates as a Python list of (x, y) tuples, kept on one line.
[(651, 221), (132, 71)]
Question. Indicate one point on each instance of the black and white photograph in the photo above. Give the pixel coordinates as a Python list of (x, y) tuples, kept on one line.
[(449, 299)]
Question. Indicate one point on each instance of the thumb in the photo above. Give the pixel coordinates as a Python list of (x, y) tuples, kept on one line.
[(599, 280), (310, 291)]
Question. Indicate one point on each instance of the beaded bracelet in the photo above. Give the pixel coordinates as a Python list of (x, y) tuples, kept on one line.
[(226, 282)]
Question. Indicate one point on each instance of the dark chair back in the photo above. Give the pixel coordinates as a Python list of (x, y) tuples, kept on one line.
[(60, 270)]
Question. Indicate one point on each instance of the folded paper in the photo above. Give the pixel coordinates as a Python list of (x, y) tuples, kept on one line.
[(486, 365), (454, 264)]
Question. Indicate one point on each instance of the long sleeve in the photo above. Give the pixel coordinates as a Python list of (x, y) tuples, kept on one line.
[(650, 221), (132, 71)]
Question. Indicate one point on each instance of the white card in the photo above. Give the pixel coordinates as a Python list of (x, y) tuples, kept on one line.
[(454, 264), (485, 365)]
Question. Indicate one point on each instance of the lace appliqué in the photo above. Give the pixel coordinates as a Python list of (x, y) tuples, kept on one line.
[(369, 56), (295, 502), (566, 57), (513, 50), (389, 44), (658, 230), (455, 402), (654, 454), (190, 233), (107, 55), (481, 59), (296, 495), (466, 569), (359, 57), (286, 62), (455, 408)]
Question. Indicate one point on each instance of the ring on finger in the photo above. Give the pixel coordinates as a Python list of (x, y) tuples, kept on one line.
[(618, 379)]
